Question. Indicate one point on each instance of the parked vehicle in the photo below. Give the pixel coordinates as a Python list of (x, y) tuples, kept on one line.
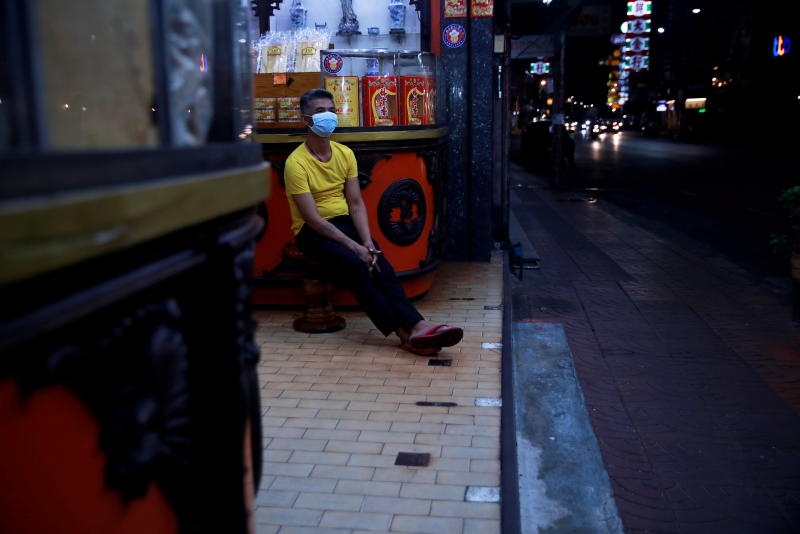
[(537, 142)]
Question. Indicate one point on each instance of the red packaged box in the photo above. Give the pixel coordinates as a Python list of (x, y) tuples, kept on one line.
[(417, 104), (379, 99)]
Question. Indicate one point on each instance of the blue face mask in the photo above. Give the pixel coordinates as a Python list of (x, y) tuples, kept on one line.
[(324, 123)]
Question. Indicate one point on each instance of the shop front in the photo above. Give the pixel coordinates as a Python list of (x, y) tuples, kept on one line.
[(390, 114)]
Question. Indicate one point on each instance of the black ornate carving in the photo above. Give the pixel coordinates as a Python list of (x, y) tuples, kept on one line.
[(432, 169), (366, 162), (434, 165), (246, 348), (167, 369), (134, 381), (402, 211), (144, 430), (245, 323)]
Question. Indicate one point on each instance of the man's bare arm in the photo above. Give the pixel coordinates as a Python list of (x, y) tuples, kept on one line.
[(358, 212), (308, 210)]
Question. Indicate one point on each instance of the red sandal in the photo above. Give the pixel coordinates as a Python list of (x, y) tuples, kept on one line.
[(437, 336), (433, 351)]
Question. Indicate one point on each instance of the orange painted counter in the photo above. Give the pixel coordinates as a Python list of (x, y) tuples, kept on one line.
[(403, 184)]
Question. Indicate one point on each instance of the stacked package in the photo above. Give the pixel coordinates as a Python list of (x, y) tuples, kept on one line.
[(298, 51)]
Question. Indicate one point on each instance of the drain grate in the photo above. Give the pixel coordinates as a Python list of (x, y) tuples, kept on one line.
[(443, 363), (461, 298), (500, 307), (413, 459), (431, 403)]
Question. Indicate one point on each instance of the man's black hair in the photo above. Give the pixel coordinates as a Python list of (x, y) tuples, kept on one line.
[(313, 94)]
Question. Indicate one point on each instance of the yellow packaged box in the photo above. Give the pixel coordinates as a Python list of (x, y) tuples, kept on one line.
[(264, 109), (345, 96), (289, 109)]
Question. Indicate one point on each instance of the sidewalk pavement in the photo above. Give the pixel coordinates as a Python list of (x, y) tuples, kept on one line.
[(338, 408), (689, 366), (686, 369)]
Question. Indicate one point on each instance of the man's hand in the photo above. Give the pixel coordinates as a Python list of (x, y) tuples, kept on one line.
[(368, 254), (364, 255), (374, 255)]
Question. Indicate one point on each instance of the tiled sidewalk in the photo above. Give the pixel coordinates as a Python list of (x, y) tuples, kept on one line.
[(338, 408)]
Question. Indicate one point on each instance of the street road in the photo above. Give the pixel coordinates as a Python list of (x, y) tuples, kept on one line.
[(724, 198)]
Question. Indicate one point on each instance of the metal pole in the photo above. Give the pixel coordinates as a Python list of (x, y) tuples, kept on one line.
[(558, 108)]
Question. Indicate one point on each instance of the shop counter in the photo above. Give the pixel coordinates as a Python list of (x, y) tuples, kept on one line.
[(400, 170)]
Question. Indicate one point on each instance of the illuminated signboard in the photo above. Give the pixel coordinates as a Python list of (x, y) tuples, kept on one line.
[(640, 8), (781, 46), (637, 45), (695, 103), (540, 67), (636, 63), (636, 26)]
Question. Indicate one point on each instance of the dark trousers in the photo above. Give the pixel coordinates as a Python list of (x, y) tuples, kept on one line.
[(379, 293)]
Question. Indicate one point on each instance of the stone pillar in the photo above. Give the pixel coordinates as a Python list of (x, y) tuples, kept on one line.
[(455, 83), (481, 116), (468, 80)]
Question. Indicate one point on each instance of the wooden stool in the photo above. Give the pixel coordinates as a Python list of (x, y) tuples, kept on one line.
[(319, 316)]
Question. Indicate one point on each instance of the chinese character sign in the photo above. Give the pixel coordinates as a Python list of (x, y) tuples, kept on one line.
[(637, 63), (637, 45), (540, 67), (640, 8), (639, 26), (634, 48), (637, 35)]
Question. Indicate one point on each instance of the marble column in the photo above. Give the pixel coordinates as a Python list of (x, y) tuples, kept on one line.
[(481, 114), (467, 73), (456, 82)]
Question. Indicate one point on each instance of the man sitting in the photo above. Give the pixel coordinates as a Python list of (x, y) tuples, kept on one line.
[(329, 220)]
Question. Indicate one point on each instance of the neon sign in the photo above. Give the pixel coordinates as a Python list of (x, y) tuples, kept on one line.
[(540, 67), (781, 46), (635, 26), (640, 8), (637, 44), (636, 63)]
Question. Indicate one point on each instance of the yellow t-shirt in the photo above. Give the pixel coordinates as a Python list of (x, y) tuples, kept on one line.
[(325, 181)]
